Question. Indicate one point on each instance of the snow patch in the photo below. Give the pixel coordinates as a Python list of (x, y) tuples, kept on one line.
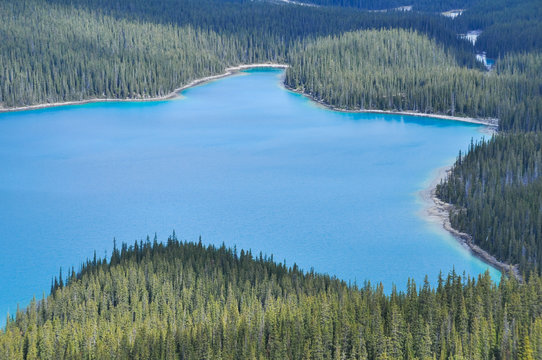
[(452, 14)]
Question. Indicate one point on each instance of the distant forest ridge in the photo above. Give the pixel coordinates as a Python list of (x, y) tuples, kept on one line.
[(57, 51), (508, 25), (400, 5)]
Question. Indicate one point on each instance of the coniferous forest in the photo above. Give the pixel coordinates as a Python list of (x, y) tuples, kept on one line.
[(508, 25), (56, 51), (178, 300), (188, 301), (498, 192), (404, 70)]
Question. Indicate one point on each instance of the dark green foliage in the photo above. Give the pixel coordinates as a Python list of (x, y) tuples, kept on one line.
[(187, 301), (388, 70), (54, 54), (417, 5), (508, 25), (404, 70), (501, 39), (485, 13), (497, 188), (520, 74), (56, 51)]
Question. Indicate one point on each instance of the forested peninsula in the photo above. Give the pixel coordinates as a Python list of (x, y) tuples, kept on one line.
[(497, 193), (183, 300), (398, 70)]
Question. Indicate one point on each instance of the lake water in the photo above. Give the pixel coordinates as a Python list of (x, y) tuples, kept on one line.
[(241, 161)]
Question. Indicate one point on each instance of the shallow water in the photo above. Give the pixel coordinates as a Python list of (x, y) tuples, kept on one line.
[(241, 161)]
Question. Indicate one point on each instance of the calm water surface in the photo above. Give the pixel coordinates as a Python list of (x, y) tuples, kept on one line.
[(239, 160)]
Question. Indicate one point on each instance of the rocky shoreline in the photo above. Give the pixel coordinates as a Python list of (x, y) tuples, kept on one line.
[(439, 211)]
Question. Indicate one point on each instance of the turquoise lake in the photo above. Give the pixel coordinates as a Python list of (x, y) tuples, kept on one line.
[(240, 160)]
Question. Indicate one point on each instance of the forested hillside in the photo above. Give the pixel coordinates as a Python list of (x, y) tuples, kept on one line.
[(520, 73), (417, 5), (404, 70), (183, 300), (388, 70), (59, 50), (187, 301), (94, 56), (508, 25), (497, 189)]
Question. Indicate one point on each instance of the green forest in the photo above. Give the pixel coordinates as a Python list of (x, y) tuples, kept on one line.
[(69, 50), (178, 300), (57, 51), (507, 25), (498, 192), (402, 70), (187, 301)]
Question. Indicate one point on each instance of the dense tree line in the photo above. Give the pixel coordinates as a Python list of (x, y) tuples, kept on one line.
[(54, 54), (387, 70), (497, 189), (520, 74), (404, 70), (60, 50), (417, 5), (519, 36), (508, 25), (187, 301), (485, 13)]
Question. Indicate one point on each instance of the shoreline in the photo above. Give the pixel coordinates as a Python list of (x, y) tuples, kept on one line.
[(172, 95), (438, 211), (435, 210), (491, 123)]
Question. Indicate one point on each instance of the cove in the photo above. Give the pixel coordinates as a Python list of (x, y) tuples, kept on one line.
[(239, 160)]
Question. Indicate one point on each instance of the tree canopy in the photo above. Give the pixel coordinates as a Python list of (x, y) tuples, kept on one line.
[(188, 301)]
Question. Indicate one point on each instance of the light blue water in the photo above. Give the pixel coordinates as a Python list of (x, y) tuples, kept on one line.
[(239, 160)]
